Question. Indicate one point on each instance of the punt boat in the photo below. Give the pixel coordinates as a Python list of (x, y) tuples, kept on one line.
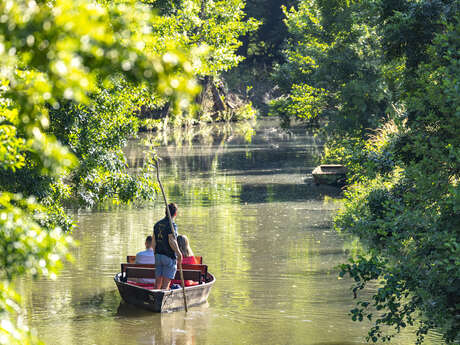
[(332, 174), (145, 296)]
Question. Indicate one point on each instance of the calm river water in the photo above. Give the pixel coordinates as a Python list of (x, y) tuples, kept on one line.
[(260, 224)]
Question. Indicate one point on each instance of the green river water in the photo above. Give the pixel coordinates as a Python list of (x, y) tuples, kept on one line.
[(261, 225)]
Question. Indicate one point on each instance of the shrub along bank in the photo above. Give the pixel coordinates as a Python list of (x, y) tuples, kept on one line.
[(383, 76)]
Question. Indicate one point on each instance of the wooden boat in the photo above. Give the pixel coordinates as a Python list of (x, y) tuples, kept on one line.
[(332, 174), (145, 296)]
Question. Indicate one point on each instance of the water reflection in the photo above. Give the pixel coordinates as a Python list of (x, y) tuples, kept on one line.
[(261, 226), (169, 328)]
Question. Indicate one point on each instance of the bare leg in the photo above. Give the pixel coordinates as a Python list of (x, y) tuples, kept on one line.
[(166, 282), (159, 282)]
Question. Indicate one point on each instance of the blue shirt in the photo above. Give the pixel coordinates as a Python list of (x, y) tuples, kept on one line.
[(145, 257)]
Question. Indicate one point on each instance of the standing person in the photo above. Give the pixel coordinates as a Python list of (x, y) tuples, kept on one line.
[(166, 249)]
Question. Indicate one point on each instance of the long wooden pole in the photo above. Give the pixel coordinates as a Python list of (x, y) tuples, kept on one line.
[(172, 230)]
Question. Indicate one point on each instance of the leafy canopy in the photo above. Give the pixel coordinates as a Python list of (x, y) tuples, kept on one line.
[(55, 54)]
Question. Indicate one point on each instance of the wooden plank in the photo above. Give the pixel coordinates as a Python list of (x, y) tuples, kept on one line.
[(202, 268), (131, 259), (143, 272), (137, 272)]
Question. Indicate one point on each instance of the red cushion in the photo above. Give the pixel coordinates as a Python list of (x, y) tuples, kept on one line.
[(144, 285)]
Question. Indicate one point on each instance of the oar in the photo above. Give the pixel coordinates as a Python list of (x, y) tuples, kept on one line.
[(172, 230)]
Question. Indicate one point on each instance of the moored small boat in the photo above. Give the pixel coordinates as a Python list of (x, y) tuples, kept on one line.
[(145, 296), (332, 174)]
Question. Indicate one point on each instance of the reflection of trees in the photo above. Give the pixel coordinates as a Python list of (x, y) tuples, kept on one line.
[(202, 134), (189, 137), (214, 134), (280, 277), (220, 190)]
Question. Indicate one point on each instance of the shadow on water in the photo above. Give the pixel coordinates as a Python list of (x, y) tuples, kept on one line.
[(199, 160), (285, 192), (127, 310), (97, 305), (248, 158), (178, 328)]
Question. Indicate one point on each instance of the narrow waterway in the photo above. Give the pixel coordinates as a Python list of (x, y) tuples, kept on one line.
[(261, 225)]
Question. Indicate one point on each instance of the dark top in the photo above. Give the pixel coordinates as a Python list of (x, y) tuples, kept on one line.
[(161, 230)]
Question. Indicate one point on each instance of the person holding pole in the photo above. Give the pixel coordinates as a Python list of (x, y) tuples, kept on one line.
[(174, 233), (166, 249)]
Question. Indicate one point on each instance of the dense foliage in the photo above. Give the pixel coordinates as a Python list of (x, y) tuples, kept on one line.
[(96, 134), (209, 30), (384, 77), (331, 69), (264, 45), (59, 61), (410, 216)]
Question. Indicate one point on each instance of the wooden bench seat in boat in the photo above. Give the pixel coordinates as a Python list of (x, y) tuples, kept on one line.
[(131, 259), (144, 272), (202, 268)]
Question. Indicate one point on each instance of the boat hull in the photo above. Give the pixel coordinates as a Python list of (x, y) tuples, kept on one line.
[(330, 174), (160, 301)]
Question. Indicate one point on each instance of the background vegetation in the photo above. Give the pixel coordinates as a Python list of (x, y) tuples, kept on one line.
[(381, 79)]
